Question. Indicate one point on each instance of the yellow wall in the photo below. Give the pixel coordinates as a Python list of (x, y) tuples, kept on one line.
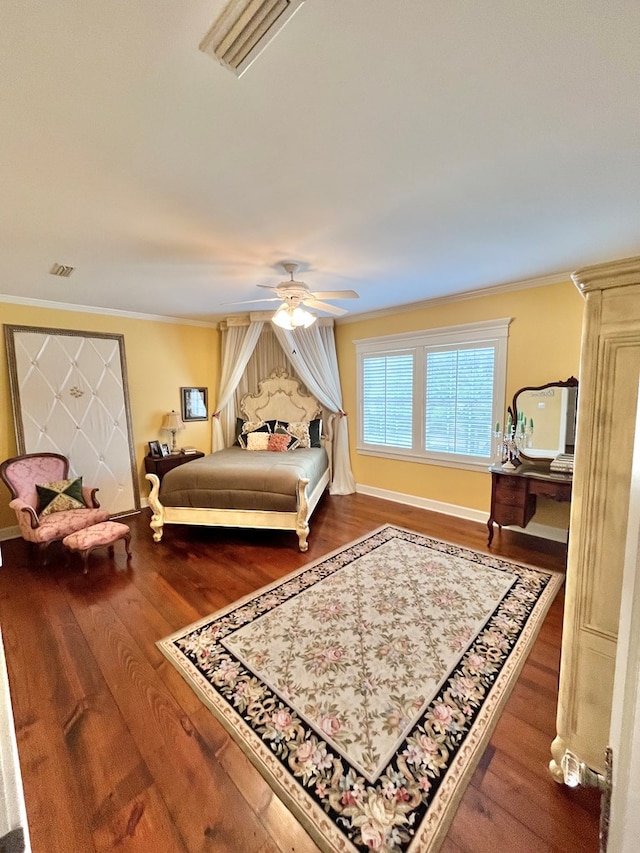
[(161, 357), (544, 346)]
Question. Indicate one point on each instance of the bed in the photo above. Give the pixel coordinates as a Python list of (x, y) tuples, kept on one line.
[(248, 488)]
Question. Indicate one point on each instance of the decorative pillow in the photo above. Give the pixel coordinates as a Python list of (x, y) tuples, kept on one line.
[(59, 496), (300, 430), (249, 427), (315, 432), (240, 426), (293, 443), (258, 440), (279, 441)]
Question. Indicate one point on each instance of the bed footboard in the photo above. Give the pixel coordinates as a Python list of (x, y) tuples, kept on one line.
[(244, 518), (157, 519), (302, 516)]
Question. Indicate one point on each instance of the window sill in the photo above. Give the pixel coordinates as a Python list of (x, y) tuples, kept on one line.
[(463, 464)]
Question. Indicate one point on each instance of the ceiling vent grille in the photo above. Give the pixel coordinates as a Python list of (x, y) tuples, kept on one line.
[(61, 270), (244, 28)]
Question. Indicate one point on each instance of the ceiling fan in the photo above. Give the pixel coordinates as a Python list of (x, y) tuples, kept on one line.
[(296, 298)]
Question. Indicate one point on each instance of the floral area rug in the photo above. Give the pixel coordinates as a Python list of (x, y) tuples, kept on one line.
[(365, 686)]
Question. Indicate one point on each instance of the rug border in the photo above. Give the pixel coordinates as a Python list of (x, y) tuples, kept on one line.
[(434, 827), (481, 731)]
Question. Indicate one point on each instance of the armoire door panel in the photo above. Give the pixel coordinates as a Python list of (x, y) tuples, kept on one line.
[(612, 452), (596, 655)]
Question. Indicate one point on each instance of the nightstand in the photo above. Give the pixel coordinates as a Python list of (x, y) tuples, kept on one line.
[(159, 465)]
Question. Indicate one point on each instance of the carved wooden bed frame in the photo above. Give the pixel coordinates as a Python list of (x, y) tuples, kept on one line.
[(279, 398)]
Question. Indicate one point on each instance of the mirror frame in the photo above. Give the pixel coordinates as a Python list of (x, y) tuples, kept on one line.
[(571, 382)]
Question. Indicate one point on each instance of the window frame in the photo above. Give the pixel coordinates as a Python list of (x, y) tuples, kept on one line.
[(490, 332)]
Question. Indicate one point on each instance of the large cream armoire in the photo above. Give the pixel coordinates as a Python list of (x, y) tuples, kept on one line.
[(608, 399)]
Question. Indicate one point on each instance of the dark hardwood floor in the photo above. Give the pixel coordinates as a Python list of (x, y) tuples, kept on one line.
[(118, 753)]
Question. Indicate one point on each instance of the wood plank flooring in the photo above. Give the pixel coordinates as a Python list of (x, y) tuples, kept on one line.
[(117, 752)]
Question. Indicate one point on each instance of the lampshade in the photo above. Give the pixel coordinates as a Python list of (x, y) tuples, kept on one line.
[(288, 317), (172, 422)]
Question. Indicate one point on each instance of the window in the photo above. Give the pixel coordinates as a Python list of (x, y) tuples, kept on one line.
[(387, 402), (433, 396)]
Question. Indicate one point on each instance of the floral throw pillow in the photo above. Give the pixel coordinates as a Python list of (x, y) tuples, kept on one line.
[(60, 495), (300, 430)]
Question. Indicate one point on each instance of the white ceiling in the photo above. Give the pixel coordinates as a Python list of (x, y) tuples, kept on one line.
[(403, 148)]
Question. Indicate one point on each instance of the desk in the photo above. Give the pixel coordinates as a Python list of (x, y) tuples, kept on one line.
[(514, 494), (159, 465)]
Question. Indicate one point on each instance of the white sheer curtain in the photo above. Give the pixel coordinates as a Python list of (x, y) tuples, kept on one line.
[(312, 351), (267, 355), (239, 341)]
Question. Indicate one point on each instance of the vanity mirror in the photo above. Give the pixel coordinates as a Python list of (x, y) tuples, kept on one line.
[(546, 416)]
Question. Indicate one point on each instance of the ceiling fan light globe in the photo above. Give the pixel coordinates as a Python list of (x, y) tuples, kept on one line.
[(302, 317), (282, 318), (292, 318)]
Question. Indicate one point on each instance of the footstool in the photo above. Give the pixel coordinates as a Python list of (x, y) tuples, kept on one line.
[(97, 536)]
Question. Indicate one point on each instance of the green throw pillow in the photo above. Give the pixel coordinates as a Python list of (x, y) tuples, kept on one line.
[(60, 496)]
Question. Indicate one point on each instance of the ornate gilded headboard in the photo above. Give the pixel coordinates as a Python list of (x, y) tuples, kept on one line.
[(280, 398)]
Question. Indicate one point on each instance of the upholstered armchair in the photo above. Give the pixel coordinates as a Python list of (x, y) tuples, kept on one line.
[(36, 478)]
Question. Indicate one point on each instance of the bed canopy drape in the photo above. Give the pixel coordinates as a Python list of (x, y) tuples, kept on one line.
[(249, 355)]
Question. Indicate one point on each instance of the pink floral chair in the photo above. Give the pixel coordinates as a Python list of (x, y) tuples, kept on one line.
[(22, 474)]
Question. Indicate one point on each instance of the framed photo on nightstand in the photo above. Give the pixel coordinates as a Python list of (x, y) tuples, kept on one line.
[(154, 449)]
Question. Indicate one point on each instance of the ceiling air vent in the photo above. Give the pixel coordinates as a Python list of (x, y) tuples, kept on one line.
[(244, 28), (61, 270)]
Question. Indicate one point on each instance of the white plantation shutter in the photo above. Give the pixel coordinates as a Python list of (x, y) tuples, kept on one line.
[(387, 400), (459, 400), (433, 396)]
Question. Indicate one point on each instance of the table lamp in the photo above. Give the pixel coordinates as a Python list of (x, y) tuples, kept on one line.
[(172, 423)]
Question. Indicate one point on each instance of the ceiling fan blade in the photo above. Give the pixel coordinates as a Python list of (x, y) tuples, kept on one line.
[(335, 294), (257, 299), (324, 306), (268, 286)]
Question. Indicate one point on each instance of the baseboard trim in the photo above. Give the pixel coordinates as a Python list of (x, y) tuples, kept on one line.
[(9, 533), (542, 531)]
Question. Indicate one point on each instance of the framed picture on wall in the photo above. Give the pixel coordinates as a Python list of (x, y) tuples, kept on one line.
[(194, 404)]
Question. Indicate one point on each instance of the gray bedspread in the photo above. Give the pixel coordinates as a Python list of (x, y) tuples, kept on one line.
[(244, 479)]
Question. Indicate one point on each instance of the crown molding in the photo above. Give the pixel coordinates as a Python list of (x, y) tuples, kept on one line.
[(494, 290), (110, 312)]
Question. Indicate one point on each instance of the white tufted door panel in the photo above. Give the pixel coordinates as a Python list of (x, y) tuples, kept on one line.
[(70, 396)]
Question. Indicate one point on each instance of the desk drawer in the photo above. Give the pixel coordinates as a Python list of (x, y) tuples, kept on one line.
[(506, 514), (551, 489), (511, 490)]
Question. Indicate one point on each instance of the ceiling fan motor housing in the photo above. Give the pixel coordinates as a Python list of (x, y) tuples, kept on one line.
[(292, 292)]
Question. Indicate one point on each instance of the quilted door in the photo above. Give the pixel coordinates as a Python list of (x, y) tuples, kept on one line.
[(70, 396)]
